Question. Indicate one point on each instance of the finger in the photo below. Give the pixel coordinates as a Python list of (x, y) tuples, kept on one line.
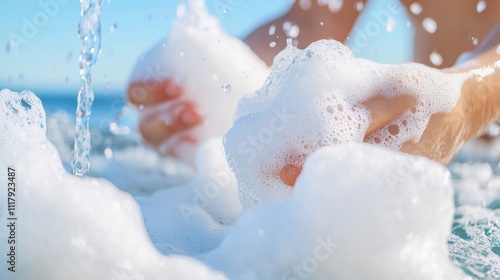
[(180, 146), (160, 127), (289, 174), (383, 110), (149, 93)]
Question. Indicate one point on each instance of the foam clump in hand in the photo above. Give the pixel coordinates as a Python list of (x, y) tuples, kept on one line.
[(214, 69), (313, 99), (358, 212), (66, 226)]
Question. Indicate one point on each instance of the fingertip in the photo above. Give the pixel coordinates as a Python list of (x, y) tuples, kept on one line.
[(190, 116), (289, 174)]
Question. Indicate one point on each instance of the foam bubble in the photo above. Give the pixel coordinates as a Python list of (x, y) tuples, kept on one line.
[(481, 6), (416, 8)]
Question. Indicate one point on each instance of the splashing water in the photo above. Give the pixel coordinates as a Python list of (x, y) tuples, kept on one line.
[(89, 30), (226, 88)]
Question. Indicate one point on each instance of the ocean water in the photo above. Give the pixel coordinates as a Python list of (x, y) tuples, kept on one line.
[(105, 109)]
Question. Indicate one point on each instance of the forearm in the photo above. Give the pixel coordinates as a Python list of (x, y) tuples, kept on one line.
[(480, 100), (314, 23)]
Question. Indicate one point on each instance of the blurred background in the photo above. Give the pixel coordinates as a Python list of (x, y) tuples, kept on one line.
[(41, 44), (40, 47)]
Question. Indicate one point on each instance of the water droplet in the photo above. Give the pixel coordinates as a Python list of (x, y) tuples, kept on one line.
[(475, 41), (10, 46), (272, 30), (272, 44), (291, 30), (416, 8), (391, 23), (108, 153), (215, 77), (408, 24), (335, 5), (321, 23), (226, 88), (225, 11), (294, 31), (113, 27), (69, 56), (436, 58), (498, 49), (481, 6), (429, 25), (305, 4), (360, 6)]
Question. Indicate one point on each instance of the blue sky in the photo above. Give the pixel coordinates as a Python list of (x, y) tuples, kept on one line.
[(45, 58)]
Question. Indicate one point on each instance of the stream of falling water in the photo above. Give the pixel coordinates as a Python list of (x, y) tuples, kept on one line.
[(89, 30)]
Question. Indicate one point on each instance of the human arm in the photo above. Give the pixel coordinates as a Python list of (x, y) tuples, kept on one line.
[(477, 108), (315, 20)]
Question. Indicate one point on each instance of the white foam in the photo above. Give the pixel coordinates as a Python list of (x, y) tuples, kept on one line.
[(68, 227), (312, 99), (204, 60), (357, 212)]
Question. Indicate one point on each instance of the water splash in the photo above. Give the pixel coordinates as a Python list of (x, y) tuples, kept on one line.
[(89, 30), (226, 88)]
